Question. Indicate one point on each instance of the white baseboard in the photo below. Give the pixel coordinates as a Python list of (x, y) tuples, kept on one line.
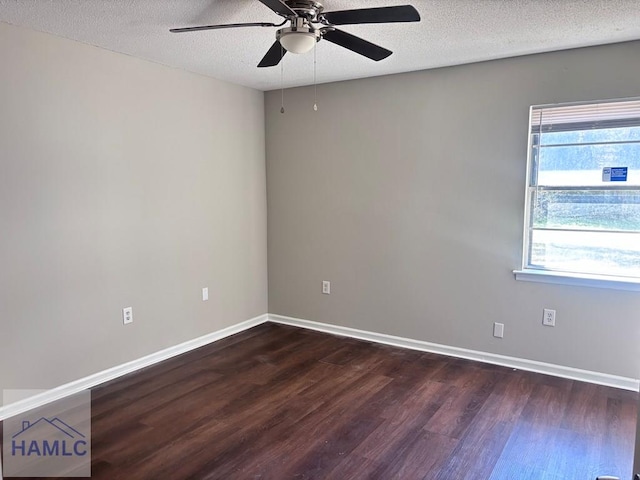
[(76, 386), (512, 362)]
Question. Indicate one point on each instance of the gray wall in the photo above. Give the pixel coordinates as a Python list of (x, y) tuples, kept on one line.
[(122, 183), (407, 193)]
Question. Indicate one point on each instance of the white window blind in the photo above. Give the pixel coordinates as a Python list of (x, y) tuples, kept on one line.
[(587, 116)]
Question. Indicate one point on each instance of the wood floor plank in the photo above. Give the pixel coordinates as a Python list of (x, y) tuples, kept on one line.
[(547, 404), (457, 412), (353, 466), (406, 419), (617, 439), (475, 456), (586, 410), (329, 450), (419, 456)]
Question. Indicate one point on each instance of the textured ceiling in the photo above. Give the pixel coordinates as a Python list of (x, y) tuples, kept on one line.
[(451, 32)]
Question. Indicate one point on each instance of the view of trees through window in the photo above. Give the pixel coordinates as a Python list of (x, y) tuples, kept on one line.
[(577, 221)]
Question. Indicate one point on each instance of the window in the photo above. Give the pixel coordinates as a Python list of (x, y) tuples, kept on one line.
[(582, 215)]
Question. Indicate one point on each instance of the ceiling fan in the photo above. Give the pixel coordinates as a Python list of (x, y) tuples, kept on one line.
[(309, 23)]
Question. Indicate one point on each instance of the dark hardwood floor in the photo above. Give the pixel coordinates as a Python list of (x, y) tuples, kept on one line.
[(278, 402)]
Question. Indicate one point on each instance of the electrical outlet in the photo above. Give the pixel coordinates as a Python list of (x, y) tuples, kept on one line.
[(498, 330), (127, 315), (205, 294), (326, 287), (549, 317)]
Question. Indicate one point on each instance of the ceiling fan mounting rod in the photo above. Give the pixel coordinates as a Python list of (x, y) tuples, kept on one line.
[(307, 9), (301, 24)]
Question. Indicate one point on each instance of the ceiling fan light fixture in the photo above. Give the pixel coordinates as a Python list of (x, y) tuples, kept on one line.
[(299, 40)]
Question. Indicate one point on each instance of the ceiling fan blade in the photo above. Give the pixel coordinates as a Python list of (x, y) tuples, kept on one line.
[(356, 44), (217, 27), (278, 7), (400, 13), (273, 56)]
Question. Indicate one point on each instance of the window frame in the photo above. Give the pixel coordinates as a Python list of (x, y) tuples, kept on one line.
[(542, 275)]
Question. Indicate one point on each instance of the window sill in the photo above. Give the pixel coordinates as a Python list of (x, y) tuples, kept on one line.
[(578, 279)]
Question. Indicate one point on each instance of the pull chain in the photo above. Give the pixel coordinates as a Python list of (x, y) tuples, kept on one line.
[(315, 86), (282, 78)]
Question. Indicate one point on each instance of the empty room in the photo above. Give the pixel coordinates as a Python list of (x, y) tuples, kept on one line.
[(320, 240)]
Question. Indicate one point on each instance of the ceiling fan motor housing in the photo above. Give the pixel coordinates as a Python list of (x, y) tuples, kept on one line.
[(308, 9)]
